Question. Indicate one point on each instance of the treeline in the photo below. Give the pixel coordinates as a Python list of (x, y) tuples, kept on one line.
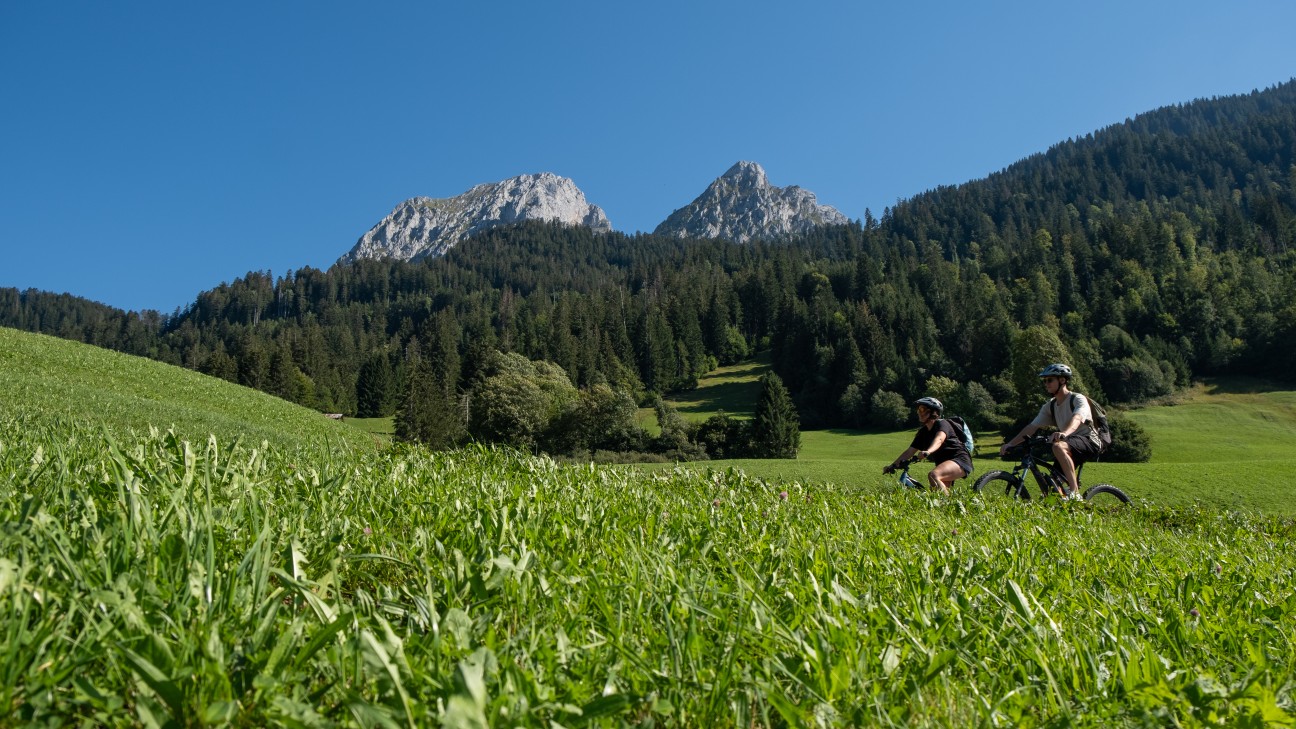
[(533, 405), (1156, 250), (72, 317)]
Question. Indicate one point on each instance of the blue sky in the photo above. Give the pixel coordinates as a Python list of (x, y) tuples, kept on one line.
[(150, 150)]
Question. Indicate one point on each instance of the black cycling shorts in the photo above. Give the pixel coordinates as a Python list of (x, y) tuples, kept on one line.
[(964, 462), (1082, 449)]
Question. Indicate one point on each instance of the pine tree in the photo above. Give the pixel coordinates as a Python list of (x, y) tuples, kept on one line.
[(373, 387), (776, 431), (428, 414)]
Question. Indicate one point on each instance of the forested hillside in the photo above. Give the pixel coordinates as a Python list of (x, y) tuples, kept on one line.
[(1151, 251)]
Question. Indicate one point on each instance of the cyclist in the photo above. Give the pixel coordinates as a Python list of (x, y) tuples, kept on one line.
[(936, 438), (1076, 439)]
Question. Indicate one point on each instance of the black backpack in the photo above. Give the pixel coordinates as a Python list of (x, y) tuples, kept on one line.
[(1100, 421), (963, 434)]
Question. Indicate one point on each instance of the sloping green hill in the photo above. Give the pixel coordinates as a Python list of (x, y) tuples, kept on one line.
[(53, 377)]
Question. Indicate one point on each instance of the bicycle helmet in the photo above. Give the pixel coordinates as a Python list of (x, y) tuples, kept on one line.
[(1056, 370), (930, 402)]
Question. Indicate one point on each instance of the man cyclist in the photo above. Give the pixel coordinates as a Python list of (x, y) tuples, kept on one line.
[(1076, 439), (936, 438)]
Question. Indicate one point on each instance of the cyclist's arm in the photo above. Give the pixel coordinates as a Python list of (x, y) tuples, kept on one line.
[(1025, 433), (1081, 416), (937, 442), (1070, 428), (900, 459)]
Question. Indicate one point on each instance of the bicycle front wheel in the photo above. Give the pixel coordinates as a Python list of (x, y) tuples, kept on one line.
[(1106, 495), (1001, 482)]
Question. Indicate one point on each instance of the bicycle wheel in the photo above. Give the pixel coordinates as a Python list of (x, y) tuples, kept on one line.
[(1105, 495), (1001, 482)]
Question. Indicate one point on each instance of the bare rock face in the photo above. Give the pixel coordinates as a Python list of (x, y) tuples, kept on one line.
[(423, 227), (742, 206)]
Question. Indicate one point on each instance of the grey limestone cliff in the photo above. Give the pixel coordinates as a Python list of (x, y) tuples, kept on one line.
[(424, 227), (742, 205)]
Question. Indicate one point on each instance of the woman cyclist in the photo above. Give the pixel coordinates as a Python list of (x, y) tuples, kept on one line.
[(936, 439)]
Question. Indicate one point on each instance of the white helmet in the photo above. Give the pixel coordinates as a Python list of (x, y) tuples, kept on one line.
[(1056, 370), (930, 402)]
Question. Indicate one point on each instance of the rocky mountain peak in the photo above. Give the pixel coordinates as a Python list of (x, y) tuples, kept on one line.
[(741, 205), (423, 227), (747, 174)]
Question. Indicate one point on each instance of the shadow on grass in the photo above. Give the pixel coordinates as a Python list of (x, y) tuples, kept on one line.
[(735, 398)]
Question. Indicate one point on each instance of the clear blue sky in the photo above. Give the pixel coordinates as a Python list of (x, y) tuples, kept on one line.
[(152, 150)]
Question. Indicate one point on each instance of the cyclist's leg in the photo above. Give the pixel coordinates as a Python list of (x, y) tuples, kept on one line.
[(944, 475), (1071, 453)]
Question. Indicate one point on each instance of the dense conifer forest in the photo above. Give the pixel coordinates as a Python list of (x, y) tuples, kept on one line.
[(1150, 252)]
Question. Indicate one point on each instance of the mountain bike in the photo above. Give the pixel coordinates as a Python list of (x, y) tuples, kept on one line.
[(1036, 458), (906, 480)]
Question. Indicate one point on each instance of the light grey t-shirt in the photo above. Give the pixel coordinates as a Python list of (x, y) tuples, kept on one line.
[(1064, 411)]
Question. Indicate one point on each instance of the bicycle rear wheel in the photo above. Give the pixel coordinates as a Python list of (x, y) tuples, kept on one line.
[(1105, 495), (1003, 483)]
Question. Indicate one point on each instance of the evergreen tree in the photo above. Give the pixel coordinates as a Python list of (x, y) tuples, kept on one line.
[(776, 432), (428, 415), (281, 378), (374, 387)]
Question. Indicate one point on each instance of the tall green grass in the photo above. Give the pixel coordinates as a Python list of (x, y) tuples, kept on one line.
[(121, 393), (159, 567), (160, 581)]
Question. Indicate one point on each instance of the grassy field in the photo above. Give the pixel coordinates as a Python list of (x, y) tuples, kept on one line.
[(1229, 443), (381, 428), (123, 393), (733, 389), (161, 577)]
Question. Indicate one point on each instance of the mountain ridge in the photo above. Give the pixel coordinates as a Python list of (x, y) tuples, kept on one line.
[(423, 227), (741, 205)]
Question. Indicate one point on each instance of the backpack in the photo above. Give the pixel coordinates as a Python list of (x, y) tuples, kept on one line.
[(963, 432), (1101, 426)]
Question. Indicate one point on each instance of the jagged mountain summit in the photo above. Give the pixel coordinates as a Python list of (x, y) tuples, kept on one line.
[(741, 205), (424, 227)]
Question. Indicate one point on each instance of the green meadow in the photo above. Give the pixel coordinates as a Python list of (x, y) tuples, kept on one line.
[(1229, 443), (177, 551), (121, 393)]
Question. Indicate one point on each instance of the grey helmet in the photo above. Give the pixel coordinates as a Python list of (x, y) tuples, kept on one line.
[(930, 402), (1056, 370)]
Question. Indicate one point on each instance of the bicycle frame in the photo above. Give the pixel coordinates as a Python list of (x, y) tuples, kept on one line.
[(908, 481), (1050, 479)]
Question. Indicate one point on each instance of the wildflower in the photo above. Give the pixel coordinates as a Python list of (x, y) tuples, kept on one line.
[(716, 502), (368, 531), (954, 532), (1219, 569), (782, 496), (1194, 613)]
